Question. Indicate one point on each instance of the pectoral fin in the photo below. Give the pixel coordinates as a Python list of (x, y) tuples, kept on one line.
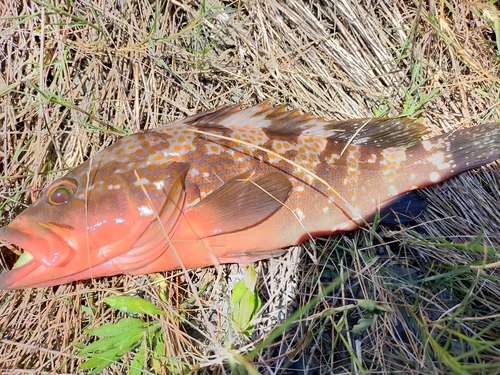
[(240, 203)]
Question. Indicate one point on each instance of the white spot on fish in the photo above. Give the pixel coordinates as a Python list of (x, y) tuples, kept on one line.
[(159, 185), (332, 158), (299, 189), (119, 220), (300, 215), (145, 210), (194, 172), (429, 146), (392, 191), (326, 209), (343, 226), (434, 176), (413, 176), (356, 213), (142, 181), (438, 159), (440, 143), (373, 159)]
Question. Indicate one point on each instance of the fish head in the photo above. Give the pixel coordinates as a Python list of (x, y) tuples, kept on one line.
[(87, 219)]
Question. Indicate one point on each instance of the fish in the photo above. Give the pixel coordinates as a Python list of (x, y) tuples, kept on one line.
[(231, 185)]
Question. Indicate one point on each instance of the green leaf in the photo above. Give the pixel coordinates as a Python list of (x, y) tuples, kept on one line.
[(113, 329), (125, 340), (133, 305), (245, 301), (109, 343), (103, 359), (371, 306), (367, 304), (118, 339), (106, 351), (137, 364), (362, 325)]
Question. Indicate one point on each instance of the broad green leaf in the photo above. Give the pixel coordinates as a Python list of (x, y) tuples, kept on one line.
[(245, 301), (98, 346), (133, 305), (113, 329), (119, 341), (101, 361)]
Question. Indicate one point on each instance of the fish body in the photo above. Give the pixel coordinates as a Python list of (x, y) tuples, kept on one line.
[(229, 185)]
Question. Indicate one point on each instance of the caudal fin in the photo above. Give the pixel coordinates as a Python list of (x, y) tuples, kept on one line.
[(448, 155)]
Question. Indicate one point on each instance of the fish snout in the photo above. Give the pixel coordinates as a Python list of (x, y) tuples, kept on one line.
[(49, 243)]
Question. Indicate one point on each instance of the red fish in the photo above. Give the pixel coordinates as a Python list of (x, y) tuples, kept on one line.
[(229, 185)]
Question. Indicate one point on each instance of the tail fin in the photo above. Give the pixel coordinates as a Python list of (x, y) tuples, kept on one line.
[(448, 155)]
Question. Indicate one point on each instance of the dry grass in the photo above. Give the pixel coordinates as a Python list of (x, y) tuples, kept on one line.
[(76, 75)]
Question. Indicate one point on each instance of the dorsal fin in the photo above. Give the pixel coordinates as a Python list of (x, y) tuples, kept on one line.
[(262, 116), (380, 132), (376, 132)]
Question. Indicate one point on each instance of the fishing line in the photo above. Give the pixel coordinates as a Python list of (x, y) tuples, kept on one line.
[(298, 166)]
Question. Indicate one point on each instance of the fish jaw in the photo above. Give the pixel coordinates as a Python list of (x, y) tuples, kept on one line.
[(48, 247)]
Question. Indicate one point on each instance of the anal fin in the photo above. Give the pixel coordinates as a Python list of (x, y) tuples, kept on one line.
[(402, 209), (251, 256)]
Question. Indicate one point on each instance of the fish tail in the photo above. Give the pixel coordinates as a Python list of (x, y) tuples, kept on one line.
[(442, 157)]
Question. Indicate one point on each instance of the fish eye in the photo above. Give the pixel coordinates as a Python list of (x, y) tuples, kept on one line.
[(61, 192)]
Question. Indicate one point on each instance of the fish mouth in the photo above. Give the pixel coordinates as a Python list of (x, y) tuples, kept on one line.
[(44, 251), (24, 266)]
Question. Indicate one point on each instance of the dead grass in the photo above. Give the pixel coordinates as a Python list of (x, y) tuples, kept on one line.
[(77, 75)]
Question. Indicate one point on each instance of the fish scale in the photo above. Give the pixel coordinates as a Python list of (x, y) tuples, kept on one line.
[(231, 185)]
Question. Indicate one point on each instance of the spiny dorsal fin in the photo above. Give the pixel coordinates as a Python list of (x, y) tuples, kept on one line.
[(271, 120), (376, 132), (240, 203), (380, 132)]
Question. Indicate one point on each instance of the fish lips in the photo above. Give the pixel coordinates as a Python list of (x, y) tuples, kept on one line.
[(48, 247)]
